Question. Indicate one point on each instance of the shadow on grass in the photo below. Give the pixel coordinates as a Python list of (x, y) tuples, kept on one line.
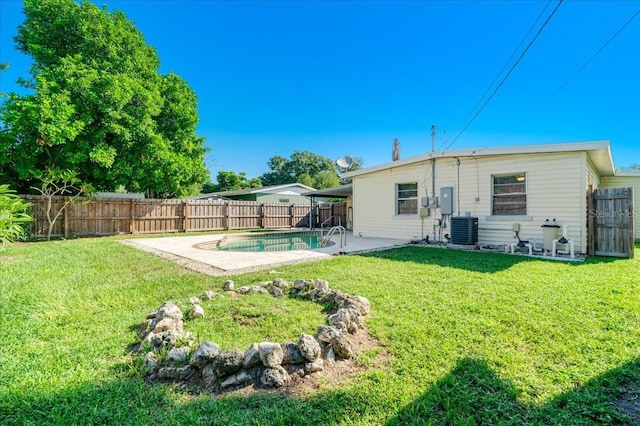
[(133, 402), (472, 393), (475, 261)]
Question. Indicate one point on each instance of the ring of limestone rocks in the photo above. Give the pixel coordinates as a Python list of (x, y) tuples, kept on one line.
[(263, 365)]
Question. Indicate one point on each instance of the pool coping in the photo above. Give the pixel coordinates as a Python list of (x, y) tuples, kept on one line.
[(182, 249)]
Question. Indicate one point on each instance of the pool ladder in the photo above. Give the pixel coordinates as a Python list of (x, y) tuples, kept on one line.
[(343, 235)]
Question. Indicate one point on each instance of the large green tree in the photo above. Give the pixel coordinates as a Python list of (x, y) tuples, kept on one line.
[(99, 106), (304, 167)]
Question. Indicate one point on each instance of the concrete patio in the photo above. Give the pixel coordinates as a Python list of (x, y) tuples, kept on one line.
[(183, 250)]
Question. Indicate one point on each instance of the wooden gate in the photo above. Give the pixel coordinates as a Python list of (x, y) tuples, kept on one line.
[(611, 222)]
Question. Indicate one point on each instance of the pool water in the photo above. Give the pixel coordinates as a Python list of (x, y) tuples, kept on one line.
[(269, 242)]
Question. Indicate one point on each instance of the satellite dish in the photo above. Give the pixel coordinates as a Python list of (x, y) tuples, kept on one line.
[(344, 162)]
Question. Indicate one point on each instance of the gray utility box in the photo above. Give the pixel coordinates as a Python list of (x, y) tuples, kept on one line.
[(464, 230), (446, 200)]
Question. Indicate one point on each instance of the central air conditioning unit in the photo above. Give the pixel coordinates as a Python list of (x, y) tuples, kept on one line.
[(464, 230)]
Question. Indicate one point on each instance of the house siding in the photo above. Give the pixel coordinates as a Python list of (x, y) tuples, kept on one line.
[(627, 182), (552, 192)]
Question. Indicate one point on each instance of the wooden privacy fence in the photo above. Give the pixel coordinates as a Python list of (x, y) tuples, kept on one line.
[(108, 216)]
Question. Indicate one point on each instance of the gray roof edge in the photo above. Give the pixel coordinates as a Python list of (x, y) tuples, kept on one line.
[(262, 189), (596, 145)]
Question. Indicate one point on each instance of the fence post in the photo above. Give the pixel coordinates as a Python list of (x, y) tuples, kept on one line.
[(131, 209), (65, 218), (291, 215), (590, 222), (227, 212), (185, 215)]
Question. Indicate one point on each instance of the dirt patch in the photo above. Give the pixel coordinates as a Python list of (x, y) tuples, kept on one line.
[(8, 259), (628, 402)]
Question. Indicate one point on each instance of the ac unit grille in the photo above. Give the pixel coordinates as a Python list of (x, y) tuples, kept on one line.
[(464, 230)]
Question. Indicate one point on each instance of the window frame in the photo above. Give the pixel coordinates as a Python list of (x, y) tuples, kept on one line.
[(521, 205), (401, 211)]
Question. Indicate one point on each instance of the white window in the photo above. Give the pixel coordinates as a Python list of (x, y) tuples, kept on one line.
[(509, 195), (407, 198)]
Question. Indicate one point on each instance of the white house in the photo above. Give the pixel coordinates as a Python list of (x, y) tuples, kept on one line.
[(505, 188), (286, 193)]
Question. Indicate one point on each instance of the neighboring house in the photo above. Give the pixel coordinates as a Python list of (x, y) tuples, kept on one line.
[(212, 196), (523, 185), (289, 193), (127, 195)]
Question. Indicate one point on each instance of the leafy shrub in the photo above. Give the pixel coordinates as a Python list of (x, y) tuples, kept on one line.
[(13, 215)]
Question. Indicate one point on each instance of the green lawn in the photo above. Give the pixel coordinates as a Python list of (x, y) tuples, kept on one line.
[(472, 338)]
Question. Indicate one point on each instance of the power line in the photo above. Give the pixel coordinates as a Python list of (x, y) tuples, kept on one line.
[(570, 79), (513, 67), (508, 61)]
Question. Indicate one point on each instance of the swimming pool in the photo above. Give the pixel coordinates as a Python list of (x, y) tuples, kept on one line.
[(280, 241)]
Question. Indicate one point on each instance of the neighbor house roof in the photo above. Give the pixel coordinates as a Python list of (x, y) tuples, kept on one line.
[(599, 153), (342, 191), (273, 189)]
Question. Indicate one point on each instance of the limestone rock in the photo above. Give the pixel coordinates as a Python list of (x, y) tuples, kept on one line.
[(271, 354), (209, 294), (177, 356), (163, 340), (167, 324), (327, 334), (169, 310), (309, 347), (209, 375), (336, 297), (205, 353), (194, 300), (228, 362), (342, 347), (176, 373), (251, 356), (237, 379), (329, 355), (274, 377), (322, 285), (361, 304), (275, 291), (341, 315), (196, 312), (280, 283), (292, 354), (150, 362), (243, 290), (312, 367), (302, 285), (227, 285), (347, 318)]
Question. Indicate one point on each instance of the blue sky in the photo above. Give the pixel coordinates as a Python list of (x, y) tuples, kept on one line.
[(347, 77)]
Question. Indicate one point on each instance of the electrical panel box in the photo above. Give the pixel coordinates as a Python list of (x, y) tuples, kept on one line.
[(424, 212), (424, 201), (446, 200)]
